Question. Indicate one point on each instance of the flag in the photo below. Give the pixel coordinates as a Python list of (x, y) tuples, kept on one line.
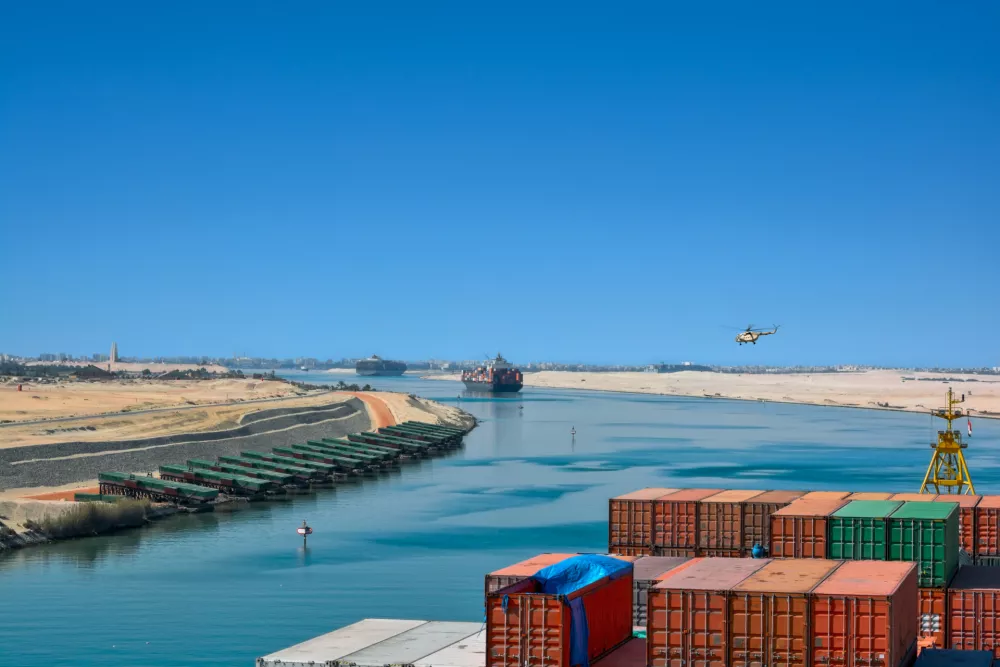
[(969, 422)]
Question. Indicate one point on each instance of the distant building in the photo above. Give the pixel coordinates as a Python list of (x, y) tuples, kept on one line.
[(114, 353)]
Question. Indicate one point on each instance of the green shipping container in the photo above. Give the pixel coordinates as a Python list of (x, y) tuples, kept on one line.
[(859, 530), (927, 534)]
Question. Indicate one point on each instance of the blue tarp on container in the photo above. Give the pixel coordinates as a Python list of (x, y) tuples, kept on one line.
[(941, 657), (571, 575)]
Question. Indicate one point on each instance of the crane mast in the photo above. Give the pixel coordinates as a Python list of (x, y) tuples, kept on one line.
[(947, 472)]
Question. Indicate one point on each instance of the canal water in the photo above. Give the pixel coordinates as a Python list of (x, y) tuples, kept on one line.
[(222, 589)]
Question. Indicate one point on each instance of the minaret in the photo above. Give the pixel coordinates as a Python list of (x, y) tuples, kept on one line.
[(114, 353)]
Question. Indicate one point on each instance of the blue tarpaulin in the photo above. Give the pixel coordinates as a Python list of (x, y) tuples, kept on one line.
[(571, 575)]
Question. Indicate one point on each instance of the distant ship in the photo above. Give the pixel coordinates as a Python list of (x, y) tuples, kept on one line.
[(496, 375), (375, 365)]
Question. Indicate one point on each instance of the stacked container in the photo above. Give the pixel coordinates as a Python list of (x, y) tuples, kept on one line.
[(646, 572), (987, 517), (676, 521), (757, 516), (974, 610), (914, 497), (800, 529), (518, 572), (966, 519), (720, 523), (537, 622), (770, 613), (859, 530), (869, 495), (630, 521), (688, 621), (826, 495), (865, 614)]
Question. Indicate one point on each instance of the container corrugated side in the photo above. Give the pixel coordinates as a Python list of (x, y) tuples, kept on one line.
[(757, 516), (800, 529), (865, 614), (974, 610), (630, 519), (932, 616), (689, 612), (927, 534), (988, 526), (770, 613), (859, 530), (720, 521), (645, 572), (675, 520), (966, 519)]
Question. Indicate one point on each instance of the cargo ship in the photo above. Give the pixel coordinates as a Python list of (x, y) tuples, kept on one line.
[(496, 375), (375, 365)]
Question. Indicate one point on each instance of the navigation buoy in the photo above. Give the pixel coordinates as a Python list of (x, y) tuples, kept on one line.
[(305, 531), (572, 431)]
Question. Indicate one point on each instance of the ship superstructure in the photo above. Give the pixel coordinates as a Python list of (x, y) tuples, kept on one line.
[(496, 375)]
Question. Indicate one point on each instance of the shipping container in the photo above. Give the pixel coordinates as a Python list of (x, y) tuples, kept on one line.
[(939, 657), (688, 615), (529, 623), (757, 516), (630, 519), (915, 497), (988, 526), (675, 520), (769, 614), (974, 610), (826, 495), (799, 530), (932, 616), (645, 572), (517, 572), (720, 522), (966, 518), (865, 615), (859, 530), (673, 552), (927, 534), (869, 495), (631, 654)]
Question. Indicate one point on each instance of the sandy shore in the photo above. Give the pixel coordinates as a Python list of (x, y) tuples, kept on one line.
[(892, 390), (89, 411)]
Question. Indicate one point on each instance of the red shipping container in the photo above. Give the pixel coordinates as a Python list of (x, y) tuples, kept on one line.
[(675, 520), (757, 516), (869, 495), (769, 613), (967, 514), (932, 617), (631, 654), (720, 522), (826, 495), (974, 610), (987, 516), (645, 573), (688, 612), (518, 572), (865, 615), (630, 519), (914, 497), (527, 628), (799, 530)]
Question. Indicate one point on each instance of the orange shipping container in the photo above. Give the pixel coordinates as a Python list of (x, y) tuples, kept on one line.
[(799, 530), (966, 518), (987, 516), (512, 574), (974, 610), (826, 495), (769, 614), (720, 522), (529, 628), (915, 497), (932, 617), (688, 612), (645, 573), (869, 495), (757, 516), (865, 614), (675, 520), (630, 519)]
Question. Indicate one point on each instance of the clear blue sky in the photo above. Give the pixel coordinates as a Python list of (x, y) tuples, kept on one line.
[(581, 182)]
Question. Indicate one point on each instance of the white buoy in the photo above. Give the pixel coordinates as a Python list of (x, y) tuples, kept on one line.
[(305, 531)]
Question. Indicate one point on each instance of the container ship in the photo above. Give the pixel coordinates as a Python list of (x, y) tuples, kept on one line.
[(496, 375), (375, 365)]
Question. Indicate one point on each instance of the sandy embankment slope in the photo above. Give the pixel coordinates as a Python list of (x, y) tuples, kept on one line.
[(866, 389)]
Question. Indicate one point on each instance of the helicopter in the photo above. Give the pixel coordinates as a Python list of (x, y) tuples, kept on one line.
[(751, 335)]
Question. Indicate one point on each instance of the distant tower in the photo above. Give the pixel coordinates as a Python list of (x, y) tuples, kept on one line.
[(114, 353)]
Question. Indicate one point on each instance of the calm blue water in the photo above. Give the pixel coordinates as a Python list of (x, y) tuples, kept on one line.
[(223, 589)]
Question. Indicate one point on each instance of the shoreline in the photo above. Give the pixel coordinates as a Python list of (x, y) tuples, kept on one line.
[(882, 387)]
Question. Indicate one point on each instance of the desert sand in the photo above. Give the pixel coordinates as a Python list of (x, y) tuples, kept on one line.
[(886, 390)]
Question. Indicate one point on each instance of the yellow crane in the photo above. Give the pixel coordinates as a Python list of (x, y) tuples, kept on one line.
[(947, 472)]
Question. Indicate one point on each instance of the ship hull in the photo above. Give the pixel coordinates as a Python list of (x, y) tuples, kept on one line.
[(494, 387), (380, 373)]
